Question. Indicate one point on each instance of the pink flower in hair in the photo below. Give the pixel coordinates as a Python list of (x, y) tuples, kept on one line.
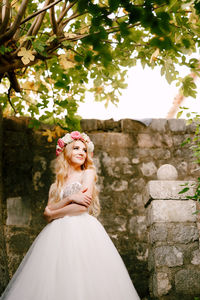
[(60, 143), (76, 135), (58, 151)]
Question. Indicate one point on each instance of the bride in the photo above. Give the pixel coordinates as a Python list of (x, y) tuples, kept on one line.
[(73, 257)]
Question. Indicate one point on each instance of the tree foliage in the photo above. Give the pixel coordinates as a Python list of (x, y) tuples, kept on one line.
[(53, 51)]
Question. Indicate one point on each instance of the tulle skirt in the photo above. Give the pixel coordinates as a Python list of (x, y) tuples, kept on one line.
[(72, 258)]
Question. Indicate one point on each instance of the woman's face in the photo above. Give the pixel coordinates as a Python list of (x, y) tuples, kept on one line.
[(79, 153)]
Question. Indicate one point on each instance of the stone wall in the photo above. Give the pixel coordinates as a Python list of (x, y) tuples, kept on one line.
[(174, 254), (127, 156)]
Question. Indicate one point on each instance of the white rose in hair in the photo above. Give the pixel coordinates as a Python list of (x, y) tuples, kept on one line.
[(85, 137), (67, 138), (90, 147)]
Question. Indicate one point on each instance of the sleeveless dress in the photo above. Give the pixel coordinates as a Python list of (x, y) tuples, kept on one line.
[(72, 258)]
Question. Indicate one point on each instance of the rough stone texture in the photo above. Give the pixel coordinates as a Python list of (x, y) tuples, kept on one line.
[(187, 282), (167, 172), (183, 233), (159, 125), (196, 257), (162, 284), (169, 189), (171, 211), (127, 155), (177, 125), (148, 169), (158, 232), (168, 256), (18, 211)]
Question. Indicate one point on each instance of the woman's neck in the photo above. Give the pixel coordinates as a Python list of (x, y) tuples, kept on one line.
[(73, 169)]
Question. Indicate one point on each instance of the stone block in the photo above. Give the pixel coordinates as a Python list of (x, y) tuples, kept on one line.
[(171, 211), (145, 140), (135, 161), (120, 221), (183, 233), (160, 154), (161, 284), (148, 169), (119, 185), (138, 227), (167, 140), (18, 211), (182, 168), (137, 185), (113, 142), (188, 282), (168, 256), (177, 125), (111, 125), (89, 124), (169, 189), (196, 257), (132, 126), (158, 233), (136, 201), (159, 125)]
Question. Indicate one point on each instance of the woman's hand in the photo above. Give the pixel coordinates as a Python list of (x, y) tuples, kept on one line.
[(81, 198), (48, 214)]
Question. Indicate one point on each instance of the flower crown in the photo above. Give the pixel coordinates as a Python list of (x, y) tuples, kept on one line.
[(73, 136)]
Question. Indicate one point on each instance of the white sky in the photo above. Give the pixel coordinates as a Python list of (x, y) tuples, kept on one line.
[(148, 96)]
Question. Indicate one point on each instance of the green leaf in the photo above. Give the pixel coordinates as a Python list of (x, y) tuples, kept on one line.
[(179, 114), (184, 190)]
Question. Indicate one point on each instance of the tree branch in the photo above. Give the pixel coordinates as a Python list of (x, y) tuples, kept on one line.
[(53, 20), (1, 7), (17, 64), (39, 19), (39, 11), (65, 10), (5, 16), (9, 100), (8, 34), (13, 81), (73, 16)]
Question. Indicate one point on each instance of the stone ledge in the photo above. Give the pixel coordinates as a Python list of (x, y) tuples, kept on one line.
[(177, 125), (171, 211), (169, 189), (158, 125)]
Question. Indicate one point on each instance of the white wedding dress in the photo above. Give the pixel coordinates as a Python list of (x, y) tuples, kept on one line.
[(72, 258)]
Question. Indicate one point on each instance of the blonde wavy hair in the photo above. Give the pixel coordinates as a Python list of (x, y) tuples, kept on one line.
[(61, 168)]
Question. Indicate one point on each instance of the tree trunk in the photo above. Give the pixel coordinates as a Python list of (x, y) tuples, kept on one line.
[(4, 275)]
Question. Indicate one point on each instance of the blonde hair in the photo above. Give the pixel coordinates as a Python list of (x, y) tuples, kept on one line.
[(61, 168)]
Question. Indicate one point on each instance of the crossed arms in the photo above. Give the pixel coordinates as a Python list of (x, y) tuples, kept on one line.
[(74, 204)]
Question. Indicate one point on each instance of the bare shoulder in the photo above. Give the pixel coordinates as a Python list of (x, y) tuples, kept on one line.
[(89, 173), (88, 176), (52, 187)]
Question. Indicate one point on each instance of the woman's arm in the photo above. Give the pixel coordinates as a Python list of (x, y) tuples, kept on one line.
[(71, 210), (56, 205), (60, 204)]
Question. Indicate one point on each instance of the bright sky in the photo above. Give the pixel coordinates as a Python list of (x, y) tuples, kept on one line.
[(148, 96)]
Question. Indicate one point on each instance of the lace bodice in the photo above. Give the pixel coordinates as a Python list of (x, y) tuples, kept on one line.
[(71, 188)]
